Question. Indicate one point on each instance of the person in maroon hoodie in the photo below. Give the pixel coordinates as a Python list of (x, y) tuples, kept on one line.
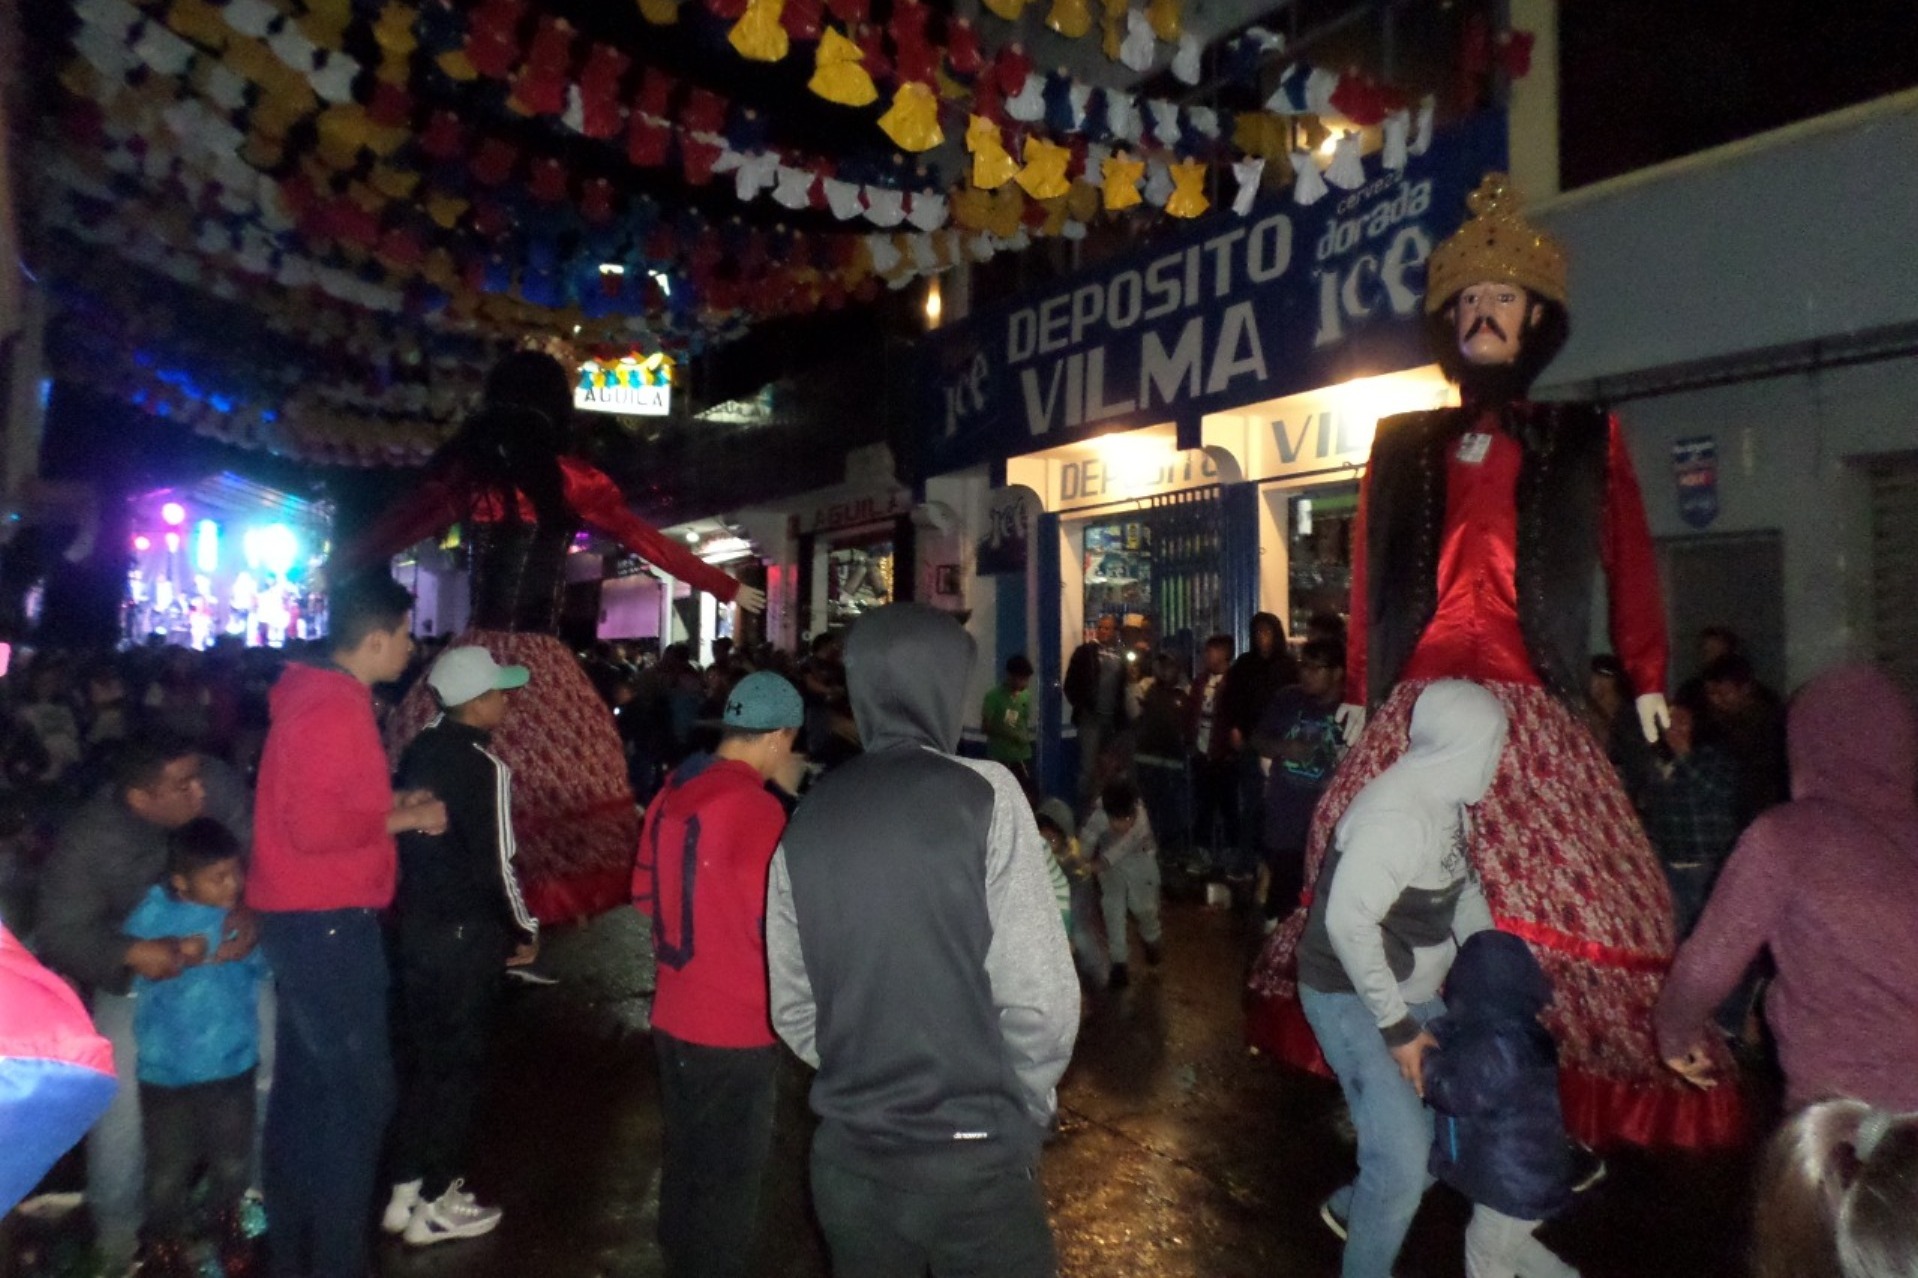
[(324, 865), (1829, 883)]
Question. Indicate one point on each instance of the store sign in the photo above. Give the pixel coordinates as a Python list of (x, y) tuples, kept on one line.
[(871, 508), (1235, 310), (638, 385), (1695, 465), (1099, 479), (1007, 543)]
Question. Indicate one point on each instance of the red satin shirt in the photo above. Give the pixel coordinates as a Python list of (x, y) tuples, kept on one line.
[(1474, 632)]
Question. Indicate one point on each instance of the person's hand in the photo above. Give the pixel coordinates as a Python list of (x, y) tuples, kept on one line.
[(1411, 1059), (751, 598), (242, 934), (192, 950), (1653, 715), (523, 954), (1695, 1067), (1351, 720), (417, 812), (1236, 738), (159, 959)]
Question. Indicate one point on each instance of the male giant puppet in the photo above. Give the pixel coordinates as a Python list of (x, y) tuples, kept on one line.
[(1481, 529)]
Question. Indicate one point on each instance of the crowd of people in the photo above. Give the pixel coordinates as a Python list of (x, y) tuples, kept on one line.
[(215, 848)]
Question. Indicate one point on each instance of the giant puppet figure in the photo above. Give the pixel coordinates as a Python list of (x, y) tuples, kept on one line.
[(510, 479), (1481, 530)]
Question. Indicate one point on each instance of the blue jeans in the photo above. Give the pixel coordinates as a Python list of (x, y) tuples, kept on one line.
[(1394, 1127), (333, 1090)]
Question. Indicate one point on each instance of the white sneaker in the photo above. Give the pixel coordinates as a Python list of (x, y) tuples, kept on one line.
[(399, 1208), (454, 1214)]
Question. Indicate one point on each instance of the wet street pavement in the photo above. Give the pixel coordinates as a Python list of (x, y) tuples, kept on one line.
[(1180, 1155)]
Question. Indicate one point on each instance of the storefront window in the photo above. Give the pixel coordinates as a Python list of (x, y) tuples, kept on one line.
[(1321, 523), (858, 579), (1118, 570)]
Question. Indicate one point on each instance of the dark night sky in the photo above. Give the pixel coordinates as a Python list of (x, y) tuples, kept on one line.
[(1644, 81)]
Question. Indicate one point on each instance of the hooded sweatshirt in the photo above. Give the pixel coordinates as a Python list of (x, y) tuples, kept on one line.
[(1829, 883), (1254, 680), (1397, 892), (319, 818), (1500, 1137), (914, 945)]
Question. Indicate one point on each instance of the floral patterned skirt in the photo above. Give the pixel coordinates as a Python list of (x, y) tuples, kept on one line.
[(1566, 865), (573, 811)]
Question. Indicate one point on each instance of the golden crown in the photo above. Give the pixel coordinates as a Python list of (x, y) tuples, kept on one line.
[(1497, 245)]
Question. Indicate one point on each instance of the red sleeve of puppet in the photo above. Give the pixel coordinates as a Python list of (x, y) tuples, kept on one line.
[(425, 511), (597, 499), (56, 1072), (1356, 611), (1631, 572)]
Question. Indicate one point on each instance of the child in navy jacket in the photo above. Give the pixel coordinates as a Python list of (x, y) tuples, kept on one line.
[(1493, 1079)]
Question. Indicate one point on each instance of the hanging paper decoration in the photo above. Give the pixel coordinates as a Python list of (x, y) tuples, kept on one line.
[(1396, 135), (1070, 18), (1137, 50), (1044, 175), (1167, 18), (758, 34), (837, 74), (1247, 172), (912, 121), (1188, 198), (1345, 171), (992, 165), (1120, 176), (1308, 184), (1185, 62)]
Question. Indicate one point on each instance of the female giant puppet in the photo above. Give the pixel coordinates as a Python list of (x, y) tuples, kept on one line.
[(509, 479), (1480, 530)]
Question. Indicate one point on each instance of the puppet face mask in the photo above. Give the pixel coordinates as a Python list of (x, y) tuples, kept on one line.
[(1490, 319)]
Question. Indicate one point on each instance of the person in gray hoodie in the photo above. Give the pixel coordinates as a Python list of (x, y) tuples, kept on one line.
[(1396, 897), (917, 960)]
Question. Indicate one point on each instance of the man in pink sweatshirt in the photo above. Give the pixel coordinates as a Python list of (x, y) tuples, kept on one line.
[(324, 865), (1829, 883)]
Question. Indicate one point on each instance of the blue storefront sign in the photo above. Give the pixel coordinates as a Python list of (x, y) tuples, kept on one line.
[(1228, 312), (1695, 465)]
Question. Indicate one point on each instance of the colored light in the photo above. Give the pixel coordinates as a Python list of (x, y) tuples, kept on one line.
[(206, 547), (278, 549), (172, 543), (173, 513), (142, 542)]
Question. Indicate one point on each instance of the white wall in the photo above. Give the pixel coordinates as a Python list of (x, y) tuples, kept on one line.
[(1788, 453), (1799, 235)]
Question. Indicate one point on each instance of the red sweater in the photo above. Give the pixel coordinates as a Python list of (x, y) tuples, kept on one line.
[(319, 818), (704, 853)]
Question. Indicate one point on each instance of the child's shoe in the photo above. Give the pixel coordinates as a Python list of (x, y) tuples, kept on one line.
[(454, 1214), (1118, 980), (399, 1208), (1152, 953)]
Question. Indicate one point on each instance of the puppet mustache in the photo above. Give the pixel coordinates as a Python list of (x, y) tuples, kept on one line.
[(1485, 322)]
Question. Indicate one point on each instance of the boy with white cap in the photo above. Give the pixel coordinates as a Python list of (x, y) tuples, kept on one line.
[(459, 915)]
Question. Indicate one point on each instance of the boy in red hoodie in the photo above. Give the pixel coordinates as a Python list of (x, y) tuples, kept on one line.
[(324, 865)]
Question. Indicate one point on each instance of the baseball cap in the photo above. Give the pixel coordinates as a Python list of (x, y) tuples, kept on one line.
[(763, 702), (464, 673)]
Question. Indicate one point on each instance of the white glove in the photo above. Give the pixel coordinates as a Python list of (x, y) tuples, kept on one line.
[(1351, 721), (1653, 716), (751, 598)]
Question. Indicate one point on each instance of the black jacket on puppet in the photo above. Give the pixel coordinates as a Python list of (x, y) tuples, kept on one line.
[(1493, 1080), (1561, 516)]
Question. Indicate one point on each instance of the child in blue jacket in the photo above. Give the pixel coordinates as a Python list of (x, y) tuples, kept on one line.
[(1493, 1079), (197, 1036)]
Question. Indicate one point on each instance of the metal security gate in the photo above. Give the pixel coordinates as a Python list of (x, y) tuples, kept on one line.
[(1894, 569), (1186, 533)]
